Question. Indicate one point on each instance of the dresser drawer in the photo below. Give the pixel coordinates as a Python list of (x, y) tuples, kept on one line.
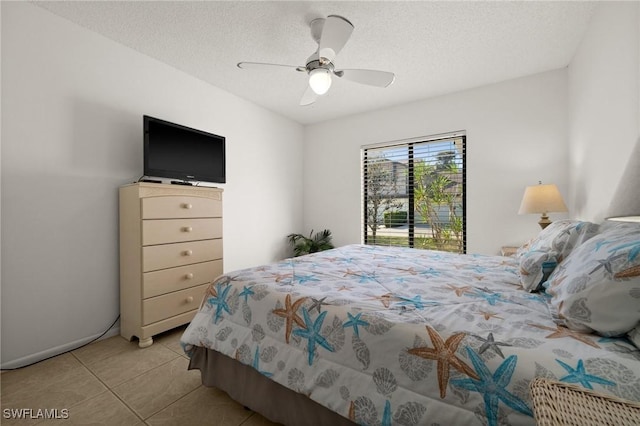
[(167, 280), (168, 305), (179, 254), (162, 231), (169, 207)]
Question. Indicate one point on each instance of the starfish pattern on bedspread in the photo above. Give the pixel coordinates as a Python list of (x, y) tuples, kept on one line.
[(311, 332), (349, 272), (355, 321), (444, 352), (304, 278), (386, 414), (410, 271), (416, 301), (560, 332), (493, 386), (290, 314), (460, 290), (318, 304), (218, 299), (479, 269), (385, 299), (490, 343), (430, 272), (490, 297), (246, 292), (580, 375), (488, 315), (365, 278), (281, 277), (534, 297), (256, 363)]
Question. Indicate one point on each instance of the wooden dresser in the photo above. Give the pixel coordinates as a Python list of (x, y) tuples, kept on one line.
[(170, 249)]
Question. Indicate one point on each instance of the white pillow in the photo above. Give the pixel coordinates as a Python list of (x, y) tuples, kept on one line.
[(561, 237), (597, 288)]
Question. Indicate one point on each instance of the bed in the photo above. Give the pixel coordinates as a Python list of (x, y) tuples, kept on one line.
[(396, 336)]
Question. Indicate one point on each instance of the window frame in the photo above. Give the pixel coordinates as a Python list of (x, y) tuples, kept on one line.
[(410, 145)]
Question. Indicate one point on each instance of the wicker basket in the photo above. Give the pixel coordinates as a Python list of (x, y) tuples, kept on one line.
[(556, 403)]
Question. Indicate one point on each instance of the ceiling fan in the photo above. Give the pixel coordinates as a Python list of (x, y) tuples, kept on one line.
[(331, 34)]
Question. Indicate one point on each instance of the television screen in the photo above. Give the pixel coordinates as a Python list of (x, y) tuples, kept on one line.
[(179, 152)]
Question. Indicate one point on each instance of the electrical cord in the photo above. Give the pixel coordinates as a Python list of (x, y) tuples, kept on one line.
[(70, 350)]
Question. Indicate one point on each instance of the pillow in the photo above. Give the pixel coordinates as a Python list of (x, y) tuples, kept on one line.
[(535, 267), (597, 288), (561, 237)]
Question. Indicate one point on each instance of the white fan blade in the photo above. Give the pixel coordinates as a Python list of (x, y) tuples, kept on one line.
[(309, 97), (335, 33), (369, 77), (260, 65)]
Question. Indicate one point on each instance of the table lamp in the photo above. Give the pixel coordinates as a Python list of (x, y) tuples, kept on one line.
[(542, 199)]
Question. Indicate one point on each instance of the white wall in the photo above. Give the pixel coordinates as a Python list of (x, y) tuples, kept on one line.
[(604, 107), (72, 105), (516, 135)]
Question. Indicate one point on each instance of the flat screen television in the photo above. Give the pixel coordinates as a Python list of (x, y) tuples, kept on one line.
[(182, 153)]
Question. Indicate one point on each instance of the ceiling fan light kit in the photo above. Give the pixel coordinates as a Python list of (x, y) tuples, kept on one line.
[(331, 34), (320, 81)]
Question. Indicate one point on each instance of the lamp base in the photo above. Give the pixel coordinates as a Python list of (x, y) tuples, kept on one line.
[(544, 221)]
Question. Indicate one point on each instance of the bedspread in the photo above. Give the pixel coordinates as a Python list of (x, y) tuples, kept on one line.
[(401, 336)]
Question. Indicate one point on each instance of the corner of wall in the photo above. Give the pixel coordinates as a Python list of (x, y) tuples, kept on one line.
[(604, 107)]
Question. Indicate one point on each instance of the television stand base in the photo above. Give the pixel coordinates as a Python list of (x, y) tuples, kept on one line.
[(178, 182)]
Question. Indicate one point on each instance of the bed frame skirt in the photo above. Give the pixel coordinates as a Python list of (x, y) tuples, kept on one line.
[(260, 394)]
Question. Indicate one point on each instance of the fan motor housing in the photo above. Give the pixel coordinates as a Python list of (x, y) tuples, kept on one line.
[(314, 63)]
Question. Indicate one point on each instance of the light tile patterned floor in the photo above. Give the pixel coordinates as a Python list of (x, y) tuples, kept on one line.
[(113, 382)]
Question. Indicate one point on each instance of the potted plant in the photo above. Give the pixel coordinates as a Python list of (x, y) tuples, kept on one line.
[(313, 243)]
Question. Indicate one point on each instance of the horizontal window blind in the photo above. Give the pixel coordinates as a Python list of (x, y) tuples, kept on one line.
[(413, 194)]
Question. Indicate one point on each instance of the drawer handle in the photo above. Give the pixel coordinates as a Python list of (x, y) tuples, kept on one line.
[(186, 206), (189, 276), (187, 253), (187, 229), (189, 299)]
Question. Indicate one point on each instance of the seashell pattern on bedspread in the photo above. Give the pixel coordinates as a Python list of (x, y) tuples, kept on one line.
[(395, 336)]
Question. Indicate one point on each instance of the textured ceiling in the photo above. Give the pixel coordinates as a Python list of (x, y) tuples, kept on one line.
[(433, 47)]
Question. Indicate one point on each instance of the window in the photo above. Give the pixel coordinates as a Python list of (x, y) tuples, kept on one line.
[(414, 193)]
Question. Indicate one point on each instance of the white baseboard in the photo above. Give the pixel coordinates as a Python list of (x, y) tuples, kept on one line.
[(58, 350)]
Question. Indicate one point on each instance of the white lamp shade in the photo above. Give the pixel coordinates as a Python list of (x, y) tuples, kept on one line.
[(320, 81), (625, 205), (542, 199)]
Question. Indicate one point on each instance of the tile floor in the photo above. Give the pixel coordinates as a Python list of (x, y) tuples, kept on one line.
[(113, 382)]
